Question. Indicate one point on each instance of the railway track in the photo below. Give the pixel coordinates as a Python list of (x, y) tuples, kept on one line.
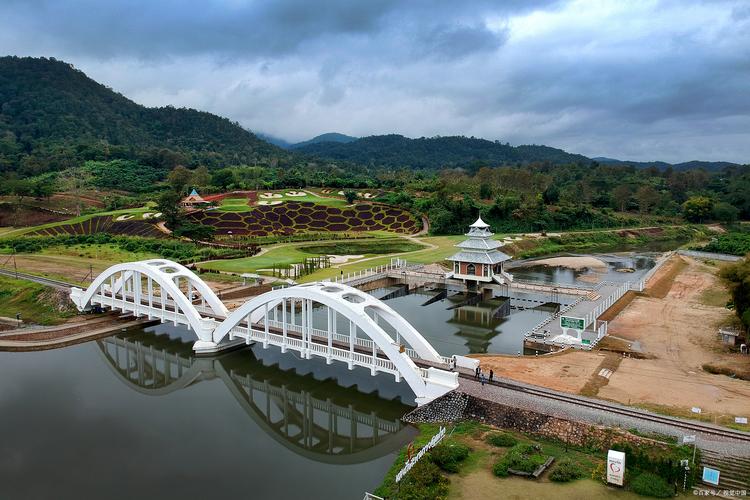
[(62, 285), (692, 427)]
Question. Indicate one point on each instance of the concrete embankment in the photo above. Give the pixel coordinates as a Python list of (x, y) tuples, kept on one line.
[(39, 339)]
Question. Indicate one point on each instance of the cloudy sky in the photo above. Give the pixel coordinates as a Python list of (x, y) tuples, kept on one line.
[(636, 79)]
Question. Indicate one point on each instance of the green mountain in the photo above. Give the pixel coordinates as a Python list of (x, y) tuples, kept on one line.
[(53, 116), (708, 166), (328, 137), (397, 151)]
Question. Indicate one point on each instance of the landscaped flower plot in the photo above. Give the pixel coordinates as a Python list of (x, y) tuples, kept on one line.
[(103, 224), (295, 217)]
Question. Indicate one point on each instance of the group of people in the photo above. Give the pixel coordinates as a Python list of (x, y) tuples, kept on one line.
[(479, 375)]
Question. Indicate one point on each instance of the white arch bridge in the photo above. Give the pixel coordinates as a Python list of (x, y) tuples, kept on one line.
[(323, 319)]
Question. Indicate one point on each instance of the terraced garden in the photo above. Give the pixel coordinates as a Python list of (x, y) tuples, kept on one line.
[(295, 217), (102, 224)]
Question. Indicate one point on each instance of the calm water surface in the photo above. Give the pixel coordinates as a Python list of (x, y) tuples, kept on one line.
[(136, 415), (454, 326)]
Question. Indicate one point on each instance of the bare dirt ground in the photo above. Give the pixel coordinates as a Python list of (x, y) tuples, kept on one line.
[(679, 333), (567, 372)]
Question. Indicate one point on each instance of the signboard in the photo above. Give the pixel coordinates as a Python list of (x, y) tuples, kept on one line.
[(575, 323), (740, 420), (585, 342), (413, 460), (688, 439), (615, 467), (711, 476)]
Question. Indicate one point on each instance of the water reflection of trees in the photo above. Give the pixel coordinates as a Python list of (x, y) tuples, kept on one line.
[(316, 419)]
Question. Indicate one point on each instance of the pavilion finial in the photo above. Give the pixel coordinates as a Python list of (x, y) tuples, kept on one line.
[(480, 223)]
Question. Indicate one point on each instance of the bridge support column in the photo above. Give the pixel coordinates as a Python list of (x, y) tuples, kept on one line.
[(330, 327), (266, 319), (283, 325), (352, 335)]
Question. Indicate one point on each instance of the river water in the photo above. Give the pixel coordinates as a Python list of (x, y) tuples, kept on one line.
[(136, 415), (454, 326)]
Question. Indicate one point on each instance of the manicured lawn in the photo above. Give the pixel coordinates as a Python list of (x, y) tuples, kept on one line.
[(241, 205), (280, 256), (291, 253)]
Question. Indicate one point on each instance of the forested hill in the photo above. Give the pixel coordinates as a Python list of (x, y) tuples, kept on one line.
[(53, 116), (435, 152)]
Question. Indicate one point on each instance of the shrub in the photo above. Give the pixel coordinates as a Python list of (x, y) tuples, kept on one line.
[(447, 456), (566, 470), (522, 457), (651, 485), (501, 439), (423, 482)]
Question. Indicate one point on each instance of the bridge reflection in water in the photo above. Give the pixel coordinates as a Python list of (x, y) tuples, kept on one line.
[(319, 420)]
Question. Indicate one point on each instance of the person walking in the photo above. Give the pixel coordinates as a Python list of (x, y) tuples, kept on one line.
[(477, 372), (482, 378), (492, 374)]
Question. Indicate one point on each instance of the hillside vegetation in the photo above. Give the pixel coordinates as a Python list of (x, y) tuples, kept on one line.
[(396, 151), (52, 116)]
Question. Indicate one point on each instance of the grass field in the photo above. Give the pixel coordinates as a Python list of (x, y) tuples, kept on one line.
[(35, 302), (292, 253)]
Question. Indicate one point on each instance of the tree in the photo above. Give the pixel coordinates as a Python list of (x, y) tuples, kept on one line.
[(551, 195), (223, 178), (737, 277), (621, 195), (647, 198), (169, 206), (200, 177), (179, 179), (697, 208), (485, 191), (195, 232), (726, 213), (350, 196)]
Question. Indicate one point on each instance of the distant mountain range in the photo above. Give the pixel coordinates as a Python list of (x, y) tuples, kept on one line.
[(710, 166), (328, 137), (52, 116)]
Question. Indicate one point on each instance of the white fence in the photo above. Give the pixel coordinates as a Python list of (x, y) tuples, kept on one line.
[(433, 442)]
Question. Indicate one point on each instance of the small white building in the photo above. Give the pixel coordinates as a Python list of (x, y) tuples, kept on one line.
[(479, 259)]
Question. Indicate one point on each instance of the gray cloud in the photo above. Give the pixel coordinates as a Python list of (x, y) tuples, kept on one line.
[(648, 80)]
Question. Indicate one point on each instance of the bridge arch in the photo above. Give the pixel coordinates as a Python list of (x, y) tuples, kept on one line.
[(353, 305), (167, 275)]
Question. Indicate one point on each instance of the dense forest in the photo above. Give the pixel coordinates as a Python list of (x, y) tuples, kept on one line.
[(54, 117), (397, 151)]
